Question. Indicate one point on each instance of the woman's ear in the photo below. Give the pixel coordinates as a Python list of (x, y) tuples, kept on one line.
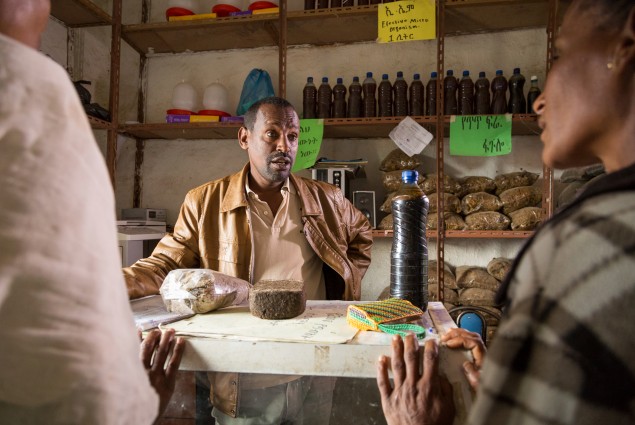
[(624, 58)]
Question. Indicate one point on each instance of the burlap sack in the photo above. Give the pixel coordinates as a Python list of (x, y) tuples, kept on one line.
[(527, 218), (392, 180), (480, 201), (453, 221), (473, 184), (515, 179), (475, 277), (452, 203), (398, 160), (582, 173), (477, 296), (488, 220), (387, 205), (450, 295), (520, 197), (449, 281), (450, 185), (386, 223), (498, 267)]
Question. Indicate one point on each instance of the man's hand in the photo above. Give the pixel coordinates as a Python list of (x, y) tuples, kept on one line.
[(416, 399), (155, 350), (461, 338)]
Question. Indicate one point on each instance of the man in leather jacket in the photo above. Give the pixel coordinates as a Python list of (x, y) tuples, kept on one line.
[(265, 223)]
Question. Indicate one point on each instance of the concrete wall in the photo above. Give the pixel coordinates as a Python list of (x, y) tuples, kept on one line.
[(172, 167)]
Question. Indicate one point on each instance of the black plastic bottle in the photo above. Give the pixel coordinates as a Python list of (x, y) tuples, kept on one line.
[(517, 102), (409, 253), (450, 85), (369, 88), (384, 97), (466, 95), (431, 95), (416, 99), (324, 99), (309, 99), (400, 96), (499, 94), (532, 95), (339, 99), (355, 108), (481, 95)]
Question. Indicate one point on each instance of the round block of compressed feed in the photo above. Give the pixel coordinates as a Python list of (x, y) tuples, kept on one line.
[(277, 299)]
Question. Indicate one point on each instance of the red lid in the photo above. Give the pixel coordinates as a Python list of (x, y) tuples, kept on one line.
[(222, 10), (261, 4), (179, 112), (213, 112), (177, 11)]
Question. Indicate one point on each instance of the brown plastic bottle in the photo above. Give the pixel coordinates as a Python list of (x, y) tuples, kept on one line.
[(431, 95), (384, 97), (336, 3), (322, 4), (533, 94), (517, 102), (369, 87), (339, 99), (416, 100), (400, 96), (482, 97), (362, 2), (309, 99), (450, 85), (324, 99), (355, 108), (309, 4), (466, 95), (499, 94)]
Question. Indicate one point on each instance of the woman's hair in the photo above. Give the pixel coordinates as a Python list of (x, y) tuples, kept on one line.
[(611, 14), (249, 119)]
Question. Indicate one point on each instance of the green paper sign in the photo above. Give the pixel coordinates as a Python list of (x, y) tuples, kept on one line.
[(480, 135), (311, 131)]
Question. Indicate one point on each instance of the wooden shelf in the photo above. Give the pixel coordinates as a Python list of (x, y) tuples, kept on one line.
[(79, 13), (323, 26), (465, 234), (334, 128), (97, 124)]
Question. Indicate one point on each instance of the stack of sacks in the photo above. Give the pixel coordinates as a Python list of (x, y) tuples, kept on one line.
[(576, 179)]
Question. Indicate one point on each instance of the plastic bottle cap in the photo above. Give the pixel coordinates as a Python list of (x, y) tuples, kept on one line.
[(399, 74), (481, 74), (356, 79), (466, 73), (433, 74), (499, 72), (339, 80), (384, 76), (309, 79), (534, 78), (450, 72), (516, 70), (369, 75), (409, 176), (416, 76), (325, 79)]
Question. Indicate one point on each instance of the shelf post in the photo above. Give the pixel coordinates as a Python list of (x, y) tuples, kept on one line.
[(440, 153), (282, 50), (113, 103)]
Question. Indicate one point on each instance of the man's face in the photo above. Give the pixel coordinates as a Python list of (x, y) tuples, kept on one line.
[(575, 108), (273, 144)]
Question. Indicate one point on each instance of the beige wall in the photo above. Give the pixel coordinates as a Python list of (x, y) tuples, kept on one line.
[(172, 167)]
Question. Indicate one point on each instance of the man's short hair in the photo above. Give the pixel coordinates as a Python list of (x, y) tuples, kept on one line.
[(249, 119)]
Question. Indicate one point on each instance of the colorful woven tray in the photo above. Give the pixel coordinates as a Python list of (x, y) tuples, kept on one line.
[(374, 316)]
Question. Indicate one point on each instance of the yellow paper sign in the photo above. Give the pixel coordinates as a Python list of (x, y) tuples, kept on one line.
[(309, 143), (406, 20)]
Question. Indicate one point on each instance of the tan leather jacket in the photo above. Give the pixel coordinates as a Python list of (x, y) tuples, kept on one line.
[(213, 232)]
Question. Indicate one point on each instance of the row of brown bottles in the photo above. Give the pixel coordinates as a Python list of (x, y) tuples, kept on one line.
[(325, 4)]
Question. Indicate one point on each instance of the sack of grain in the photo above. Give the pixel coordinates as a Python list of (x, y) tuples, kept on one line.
[(487, 220), (450, 185), (386, 223), (392, 180), (475, 277), (450, 295), (451, 203), (477, 296), (527, 218), (480, 201), (515, 179), (582, 174), (453, 221), (473, 184), (387, 205), (449, 281), (399, 160), (520, 197), (498, 267)]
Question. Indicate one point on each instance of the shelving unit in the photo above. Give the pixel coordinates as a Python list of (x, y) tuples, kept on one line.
[(315, 27)]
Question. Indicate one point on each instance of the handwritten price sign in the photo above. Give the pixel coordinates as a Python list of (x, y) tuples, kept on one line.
[(406, 20), (311, 131), (480, 135)]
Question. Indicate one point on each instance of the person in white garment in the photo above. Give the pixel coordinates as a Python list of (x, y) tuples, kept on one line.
[(69, 351)]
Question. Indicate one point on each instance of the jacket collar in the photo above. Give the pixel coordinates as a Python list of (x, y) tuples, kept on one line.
[(235, 196)]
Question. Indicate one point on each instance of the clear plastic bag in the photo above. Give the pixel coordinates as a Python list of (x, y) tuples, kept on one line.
[(201, 291)]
